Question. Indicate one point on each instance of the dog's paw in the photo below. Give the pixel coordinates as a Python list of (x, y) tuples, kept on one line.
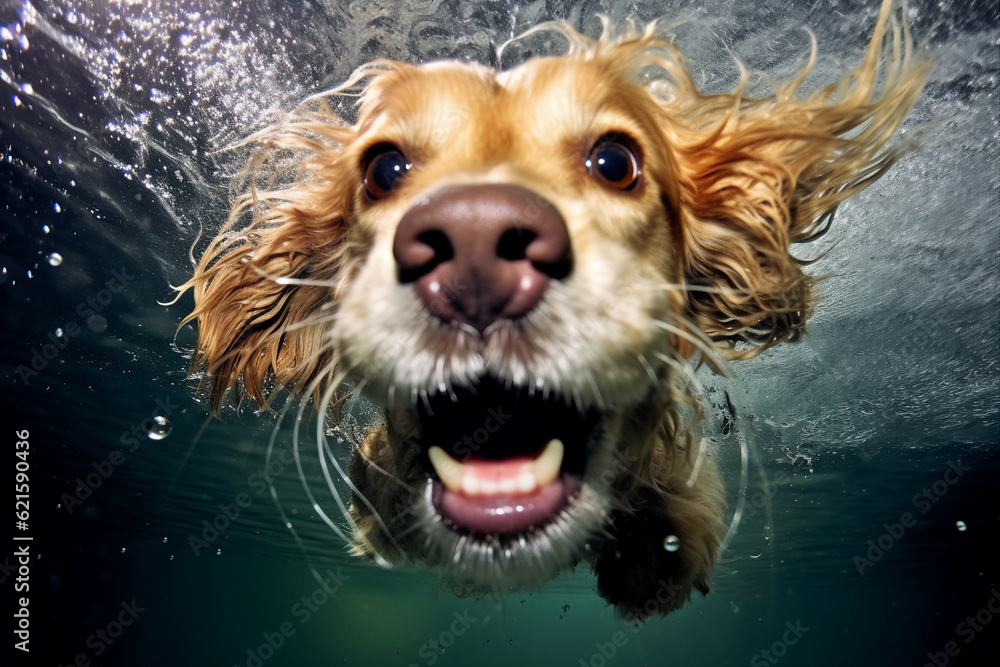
[(656, 554)]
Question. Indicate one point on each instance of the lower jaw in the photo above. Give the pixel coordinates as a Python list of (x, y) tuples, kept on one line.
[(503, 562), (509, 515)]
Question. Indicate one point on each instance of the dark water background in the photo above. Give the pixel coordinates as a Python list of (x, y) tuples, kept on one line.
[(112, 115)]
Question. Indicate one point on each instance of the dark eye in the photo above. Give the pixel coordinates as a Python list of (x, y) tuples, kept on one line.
[(384, 172), (614, 164)]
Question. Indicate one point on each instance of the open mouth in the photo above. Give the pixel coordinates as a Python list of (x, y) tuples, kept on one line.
[(504, 460)]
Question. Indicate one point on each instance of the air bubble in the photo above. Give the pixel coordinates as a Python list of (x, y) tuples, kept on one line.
[(961, 526), (55, 259), (671, 543), (158, 428)]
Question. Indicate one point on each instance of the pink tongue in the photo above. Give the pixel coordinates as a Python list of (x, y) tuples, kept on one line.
[(502, 513)]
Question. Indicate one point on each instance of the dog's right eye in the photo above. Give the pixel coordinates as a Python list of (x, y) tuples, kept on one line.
[(384, 172)]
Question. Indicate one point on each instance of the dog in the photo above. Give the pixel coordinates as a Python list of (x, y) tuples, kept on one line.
[(521, 268)]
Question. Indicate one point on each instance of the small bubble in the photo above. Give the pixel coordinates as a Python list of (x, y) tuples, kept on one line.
[(186, 39), (164, 540), (59, 332), (97, 323), (55, 259), (219, 552), (123, 549), (28, 89), (46, 229), (157, 428), (57, 208), (671, 543), (71, 17), (961, 526)]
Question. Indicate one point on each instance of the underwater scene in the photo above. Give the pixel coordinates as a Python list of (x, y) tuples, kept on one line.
[(860, 464)]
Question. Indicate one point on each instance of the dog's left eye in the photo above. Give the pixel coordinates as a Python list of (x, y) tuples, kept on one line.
[(614, 164), (384, 172)]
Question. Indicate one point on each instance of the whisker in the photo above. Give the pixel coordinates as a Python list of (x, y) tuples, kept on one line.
[(703, 344), (389, 475), (678, 287), (597, 392), (357, 492), (277, 503), (312, 320), (426, 401), (187, 454), (416, 525), (298, 463), (332, 283), (696, 468), (649, 369), (323, 444), (744, 482), (684, 369), (309, 282)]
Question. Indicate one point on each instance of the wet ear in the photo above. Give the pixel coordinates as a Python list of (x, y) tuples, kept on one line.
[(757, 175), (265, 287)]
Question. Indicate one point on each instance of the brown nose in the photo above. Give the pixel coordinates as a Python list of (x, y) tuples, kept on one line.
[(480, 253)]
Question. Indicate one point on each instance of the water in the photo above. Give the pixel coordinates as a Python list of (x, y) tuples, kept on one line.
[(869, 502)]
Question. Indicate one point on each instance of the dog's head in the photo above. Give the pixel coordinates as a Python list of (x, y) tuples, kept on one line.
[(517, 266)]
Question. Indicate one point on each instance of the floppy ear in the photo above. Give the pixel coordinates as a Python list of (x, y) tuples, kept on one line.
[(265, 288), (756, 175)]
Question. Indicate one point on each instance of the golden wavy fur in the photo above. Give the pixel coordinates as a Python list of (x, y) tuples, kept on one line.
[(303, 288)]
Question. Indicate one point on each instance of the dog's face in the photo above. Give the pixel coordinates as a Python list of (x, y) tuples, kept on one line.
[(511, 311), (519, 226), (517, 267)]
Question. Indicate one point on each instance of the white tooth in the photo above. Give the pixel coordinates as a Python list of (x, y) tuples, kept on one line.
[(470, 485), (449, 471), (507, 486), (488, 487), (526, 481), (546, 466)]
